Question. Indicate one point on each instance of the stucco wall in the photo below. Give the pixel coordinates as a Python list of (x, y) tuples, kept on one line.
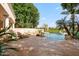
[(2, 18), (30, 31), (8, 10)]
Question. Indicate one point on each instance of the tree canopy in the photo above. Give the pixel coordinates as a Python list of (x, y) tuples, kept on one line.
[(27, 15), (71, 26), (71, 7)]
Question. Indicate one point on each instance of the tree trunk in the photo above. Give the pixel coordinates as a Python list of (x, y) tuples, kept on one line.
[(67, 30), (73, 27)]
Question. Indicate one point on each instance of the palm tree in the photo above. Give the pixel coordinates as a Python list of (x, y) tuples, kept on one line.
[(62, 24), (45, 27), (71, 9)]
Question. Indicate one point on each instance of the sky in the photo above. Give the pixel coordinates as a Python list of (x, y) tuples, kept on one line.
[(49, 13)]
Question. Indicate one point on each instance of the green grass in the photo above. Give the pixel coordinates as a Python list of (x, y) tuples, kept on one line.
[(53, 30)]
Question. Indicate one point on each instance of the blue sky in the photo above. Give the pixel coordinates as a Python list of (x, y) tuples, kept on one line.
[(49, 13)]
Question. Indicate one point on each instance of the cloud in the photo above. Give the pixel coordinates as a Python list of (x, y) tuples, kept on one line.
[(43, 18), (57, 8)]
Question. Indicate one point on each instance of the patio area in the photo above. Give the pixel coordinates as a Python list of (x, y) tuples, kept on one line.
[(39, 46)]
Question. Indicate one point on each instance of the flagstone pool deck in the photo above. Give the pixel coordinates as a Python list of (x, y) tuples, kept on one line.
[(39, 46)]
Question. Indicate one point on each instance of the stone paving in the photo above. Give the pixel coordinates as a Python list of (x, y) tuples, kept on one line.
[(39, 46)]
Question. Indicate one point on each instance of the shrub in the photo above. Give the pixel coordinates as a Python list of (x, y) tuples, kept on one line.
[(77, 35), (4, 42)]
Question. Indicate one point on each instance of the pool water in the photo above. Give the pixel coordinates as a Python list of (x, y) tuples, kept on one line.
[(54, 36)]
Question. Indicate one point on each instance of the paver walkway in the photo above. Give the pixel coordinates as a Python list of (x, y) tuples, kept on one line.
[(37, 46)]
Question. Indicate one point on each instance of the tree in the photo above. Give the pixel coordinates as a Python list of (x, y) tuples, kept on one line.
[(27, 15), (71, 9), (63, 25), (45, 27)]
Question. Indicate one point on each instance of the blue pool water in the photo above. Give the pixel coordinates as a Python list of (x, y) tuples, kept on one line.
[(54, 36)]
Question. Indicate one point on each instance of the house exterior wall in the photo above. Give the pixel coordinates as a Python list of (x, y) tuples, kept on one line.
[(1, 24), (8, 10), (5, 9), (6, 22), (2, 13)]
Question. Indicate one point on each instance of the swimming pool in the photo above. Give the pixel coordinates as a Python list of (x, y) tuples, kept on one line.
[(54, 36)]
